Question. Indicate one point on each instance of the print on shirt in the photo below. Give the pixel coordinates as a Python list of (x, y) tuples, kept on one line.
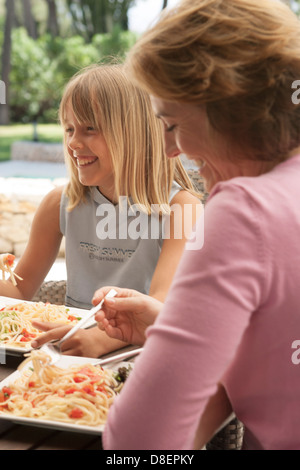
[(106, 254)]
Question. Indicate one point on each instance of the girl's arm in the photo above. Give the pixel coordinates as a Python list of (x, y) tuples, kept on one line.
[(41, 251), (186, 208)]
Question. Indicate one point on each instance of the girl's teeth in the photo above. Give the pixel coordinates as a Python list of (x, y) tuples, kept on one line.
[(85, 162)]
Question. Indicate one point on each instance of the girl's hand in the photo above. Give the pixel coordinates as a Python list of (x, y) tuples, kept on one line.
[(88, 343), (126, 316)]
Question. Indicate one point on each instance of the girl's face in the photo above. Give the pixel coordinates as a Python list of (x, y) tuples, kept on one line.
[(87, 147), (186, 130)]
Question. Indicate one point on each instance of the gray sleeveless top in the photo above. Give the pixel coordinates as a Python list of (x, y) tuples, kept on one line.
[(109, 244)]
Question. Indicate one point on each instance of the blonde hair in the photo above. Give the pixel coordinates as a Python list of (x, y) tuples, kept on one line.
[(104, 97), (239, 58)]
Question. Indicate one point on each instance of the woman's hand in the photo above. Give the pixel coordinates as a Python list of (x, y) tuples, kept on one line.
[(126, 316)]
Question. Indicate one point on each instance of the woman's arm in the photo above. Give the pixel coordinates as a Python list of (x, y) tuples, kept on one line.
[(41, 251), (186, 209)]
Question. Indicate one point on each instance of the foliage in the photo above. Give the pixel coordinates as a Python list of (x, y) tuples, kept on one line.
[(90, 17), (41, 68)]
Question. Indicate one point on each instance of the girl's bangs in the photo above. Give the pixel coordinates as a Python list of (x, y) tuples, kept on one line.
[(82, 103)]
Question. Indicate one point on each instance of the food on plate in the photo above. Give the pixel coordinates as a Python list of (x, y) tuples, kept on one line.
[(79, 394), (6, 264), (16, 329)]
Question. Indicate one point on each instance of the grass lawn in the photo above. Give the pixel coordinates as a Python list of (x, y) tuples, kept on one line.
[(9, 134)]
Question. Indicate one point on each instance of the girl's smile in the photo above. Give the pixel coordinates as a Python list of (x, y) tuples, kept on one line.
[(83, 161)]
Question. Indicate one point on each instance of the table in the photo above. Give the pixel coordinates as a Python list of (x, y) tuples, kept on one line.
[(22, 437)]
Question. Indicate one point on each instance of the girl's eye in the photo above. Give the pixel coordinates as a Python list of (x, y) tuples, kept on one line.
[(68, 130)]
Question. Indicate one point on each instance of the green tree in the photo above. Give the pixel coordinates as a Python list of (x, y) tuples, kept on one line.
[(92, 17), (5, 58)]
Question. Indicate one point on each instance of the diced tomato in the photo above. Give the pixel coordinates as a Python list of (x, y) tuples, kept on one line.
[(95, 379), (5, 394), (86, 371), (24, 339), (101, 388), (27, 334), (7, 391), (77, 379), (72, 318), (10, 260), (71, 390), (76, 413), (89, 389), (31, 384)]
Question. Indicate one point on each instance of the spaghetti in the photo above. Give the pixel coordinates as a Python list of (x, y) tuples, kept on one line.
[(16, 329), (6, 264), (77, 395)]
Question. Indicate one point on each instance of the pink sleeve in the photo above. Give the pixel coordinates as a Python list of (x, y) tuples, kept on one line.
[(196, 335)]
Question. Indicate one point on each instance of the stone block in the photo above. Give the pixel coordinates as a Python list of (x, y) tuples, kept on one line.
[(37, 151)]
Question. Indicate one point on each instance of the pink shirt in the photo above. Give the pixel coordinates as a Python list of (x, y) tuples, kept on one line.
[(231, 315)]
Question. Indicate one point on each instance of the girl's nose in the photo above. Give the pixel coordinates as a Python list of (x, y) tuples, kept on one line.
[(74, 142)]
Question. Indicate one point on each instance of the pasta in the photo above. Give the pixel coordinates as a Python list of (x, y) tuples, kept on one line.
[(16, 328), (6, 264), (81, 394)]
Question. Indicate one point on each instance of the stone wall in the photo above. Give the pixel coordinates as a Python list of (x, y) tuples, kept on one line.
[(16, 215), (20, 197), (37, 151)]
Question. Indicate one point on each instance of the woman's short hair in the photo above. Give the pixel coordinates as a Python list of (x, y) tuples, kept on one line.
[(104, 97), (237, 57)]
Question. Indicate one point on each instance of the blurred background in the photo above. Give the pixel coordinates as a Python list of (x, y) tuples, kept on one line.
[(42, 44)]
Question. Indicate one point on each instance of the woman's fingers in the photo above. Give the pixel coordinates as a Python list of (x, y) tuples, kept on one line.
[(129, 304), (121, 292)]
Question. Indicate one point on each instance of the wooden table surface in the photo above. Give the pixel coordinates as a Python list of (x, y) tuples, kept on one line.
[(22, 437)]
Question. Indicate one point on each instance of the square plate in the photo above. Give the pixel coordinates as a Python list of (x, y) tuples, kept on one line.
[(65, 362), (18, 350)]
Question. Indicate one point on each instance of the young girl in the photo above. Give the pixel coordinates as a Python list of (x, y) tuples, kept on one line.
[(115, 154)]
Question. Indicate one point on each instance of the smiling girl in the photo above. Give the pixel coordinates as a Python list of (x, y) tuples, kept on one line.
[(113, 148)]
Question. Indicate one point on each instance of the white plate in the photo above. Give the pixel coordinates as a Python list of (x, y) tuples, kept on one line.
[(65, 362), (19, 350)]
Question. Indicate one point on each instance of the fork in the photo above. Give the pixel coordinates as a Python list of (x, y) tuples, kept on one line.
[(53, 349)]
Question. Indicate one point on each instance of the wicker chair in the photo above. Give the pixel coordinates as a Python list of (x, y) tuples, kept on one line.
[(198, 183), (228, 438), (51, 291)]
